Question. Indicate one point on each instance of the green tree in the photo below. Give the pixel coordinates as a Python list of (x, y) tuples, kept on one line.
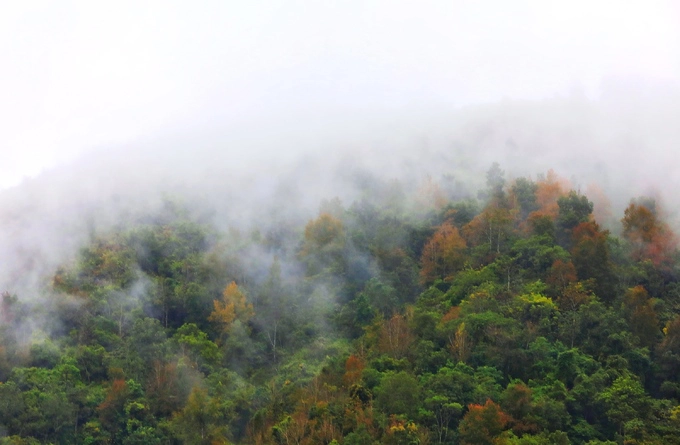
[(626, 400), (201, 421), (574, 209), (399, 393)]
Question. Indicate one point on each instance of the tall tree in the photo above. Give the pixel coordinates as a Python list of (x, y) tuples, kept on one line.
[(443, 254), (232, 307), (524, 194), (573, 210), (639, 309), (591, 259), (650, 238), (482, 424)]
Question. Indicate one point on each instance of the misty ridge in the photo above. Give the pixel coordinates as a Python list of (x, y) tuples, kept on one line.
[(270, 178), (265, 174), (340, 223), (266, 281)]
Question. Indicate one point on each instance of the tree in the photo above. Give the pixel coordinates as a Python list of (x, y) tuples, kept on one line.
[(323, 245), (395, 336), (602, 207), (669, 351), (112, 409), (460, 343), (271, 307), (591, 259), (399, 393), (517, 401), (443, 254), (573, 210), (232, 307), (549, 189), (482, 424), (570, 299), (561, 274), (639, 309), (625, 400), (491, 227), (201, 421), (524, 193), (445, 394), (430, 195), (353, 368), (495, 181), (649, 237), (196, 347)]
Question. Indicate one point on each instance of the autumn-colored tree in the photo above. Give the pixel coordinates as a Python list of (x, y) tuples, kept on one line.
[(517, 401), (430, 195), (649, 237), (293, 429), (321, 232), (111, 410), (561, 274), (492, 227), (395, 336), (353, 368), (669, 350), (549, 189), (443, 254), (460, 344), (482, 424), (602, 207), (323, 245), (573, 296), (458, 340), (639, 309), (590, 256), (671, 341), (163, 388), (232, 307)]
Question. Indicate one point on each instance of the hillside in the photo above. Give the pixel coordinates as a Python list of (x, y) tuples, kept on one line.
[(404, 312)]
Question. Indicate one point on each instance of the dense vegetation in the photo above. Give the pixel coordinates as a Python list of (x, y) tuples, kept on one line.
[(432, 317)]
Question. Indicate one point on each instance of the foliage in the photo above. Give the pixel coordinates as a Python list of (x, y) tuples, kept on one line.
[(403, 318)]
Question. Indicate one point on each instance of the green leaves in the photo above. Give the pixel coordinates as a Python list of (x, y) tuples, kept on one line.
[(196, 347)]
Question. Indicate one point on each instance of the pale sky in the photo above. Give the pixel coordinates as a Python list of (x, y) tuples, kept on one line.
[(77, 75)]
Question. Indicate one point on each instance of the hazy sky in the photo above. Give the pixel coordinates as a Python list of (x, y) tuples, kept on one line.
[(83, 74)]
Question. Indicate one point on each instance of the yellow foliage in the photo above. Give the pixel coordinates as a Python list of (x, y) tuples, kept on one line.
[(232, 307), (538, 299)]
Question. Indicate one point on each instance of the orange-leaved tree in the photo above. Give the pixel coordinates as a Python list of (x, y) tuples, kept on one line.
[(639, 309), (443, 254), (482, 424), (233, 306), (649, 237), (549, 189), (602, 207), (492, 227)]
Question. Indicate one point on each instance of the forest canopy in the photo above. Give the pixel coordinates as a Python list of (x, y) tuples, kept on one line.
[(521, 313)]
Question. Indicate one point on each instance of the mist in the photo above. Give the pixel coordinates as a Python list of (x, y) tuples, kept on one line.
[(276, 218), (253, 116)]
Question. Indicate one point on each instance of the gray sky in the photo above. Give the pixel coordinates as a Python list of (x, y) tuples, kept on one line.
[(82, 74)]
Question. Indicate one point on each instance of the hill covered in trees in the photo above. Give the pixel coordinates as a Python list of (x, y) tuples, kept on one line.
[(424, 315)]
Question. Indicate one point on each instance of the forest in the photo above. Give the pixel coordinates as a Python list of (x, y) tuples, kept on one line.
[(526, 312)]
